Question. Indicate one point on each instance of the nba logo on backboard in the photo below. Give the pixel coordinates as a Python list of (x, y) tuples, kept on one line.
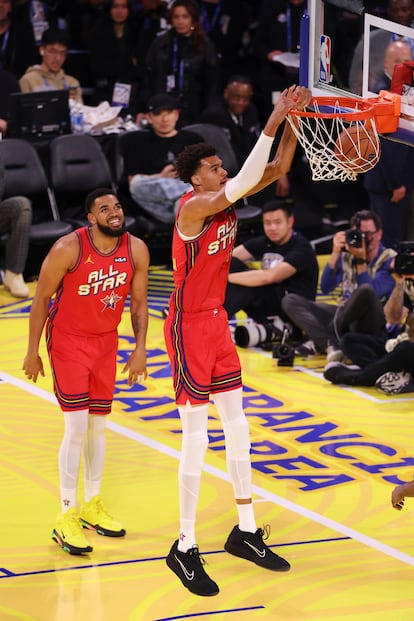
[(325, 59)]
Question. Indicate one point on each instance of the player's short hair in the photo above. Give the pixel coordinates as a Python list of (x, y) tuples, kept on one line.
[(275, 204), (189, 160), (92, 196)]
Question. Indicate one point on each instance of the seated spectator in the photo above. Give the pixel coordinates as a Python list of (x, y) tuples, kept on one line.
[(18, 48), (50, 75), (235, 112), (15, 219), (288, 265), (396, 52), (239, 117), (149, 157), (398, 11), (348, 266), (8, 84), (184, 63), (113, 53)]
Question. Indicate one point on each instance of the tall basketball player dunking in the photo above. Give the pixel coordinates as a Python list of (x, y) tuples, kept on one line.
[(91, 271), (203, 357)]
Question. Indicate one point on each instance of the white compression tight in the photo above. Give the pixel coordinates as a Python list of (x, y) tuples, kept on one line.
[(84, 433), (194, 445), (237, 434)]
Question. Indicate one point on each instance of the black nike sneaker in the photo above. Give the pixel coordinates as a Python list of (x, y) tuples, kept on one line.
[(189, 568), (251, 547)]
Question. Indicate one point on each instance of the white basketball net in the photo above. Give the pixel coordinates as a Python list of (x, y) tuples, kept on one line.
[(318, 134)]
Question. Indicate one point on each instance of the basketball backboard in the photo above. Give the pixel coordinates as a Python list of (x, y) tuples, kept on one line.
[(344, 54)]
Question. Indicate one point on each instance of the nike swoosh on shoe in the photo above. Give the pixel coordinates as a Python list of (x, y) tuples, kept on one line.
[(188, 574), (261, 553)]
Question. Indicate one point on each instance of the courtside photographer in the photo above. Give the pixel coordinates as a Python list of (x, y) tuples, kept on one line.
[(287, 264), (359, 265)]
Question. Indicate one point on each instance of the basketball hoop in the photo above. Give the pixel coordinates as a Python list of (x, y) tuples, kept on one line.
[(339, 137)]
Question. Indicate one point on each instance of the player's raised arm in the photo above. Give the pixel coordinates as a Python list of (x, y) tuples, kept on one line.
[(213, 191)]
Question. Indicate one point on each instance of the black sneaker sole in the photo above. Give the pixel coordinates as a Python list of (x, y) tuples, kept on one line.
[(188, 585), (67, 547), (101, 530), (255, 559)]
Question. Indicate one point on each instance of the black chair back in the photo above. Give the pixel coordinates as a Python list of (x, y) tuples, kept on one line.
[(26, 176)]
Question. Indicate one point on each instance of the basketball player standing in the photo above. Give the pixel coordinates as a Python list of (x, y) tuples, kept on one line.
[(91, 271)]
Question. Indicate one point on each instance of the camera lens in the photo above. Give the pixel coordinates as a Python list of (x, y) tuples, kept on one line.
[(250, 335)]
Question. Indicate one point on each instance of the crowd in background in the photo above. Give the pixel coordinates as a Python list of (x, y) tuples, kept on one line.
[(189, 49), (183, 62)]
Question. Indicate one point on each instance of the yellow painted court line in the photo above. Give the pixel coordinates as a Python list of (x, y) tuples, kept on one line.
[(216, 472)]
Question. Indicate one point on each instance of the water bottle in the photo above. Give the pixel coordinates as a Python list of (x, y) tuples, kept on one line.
[(76, 117)]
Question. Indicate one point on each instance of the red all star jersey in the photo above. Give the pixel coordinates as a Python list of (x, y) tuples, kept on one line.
[(201, 265), (91, 296)]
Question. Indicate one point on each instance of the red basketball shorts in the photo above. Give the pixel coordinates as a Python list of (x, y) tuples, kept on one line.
[(84, 370), (203, 357)]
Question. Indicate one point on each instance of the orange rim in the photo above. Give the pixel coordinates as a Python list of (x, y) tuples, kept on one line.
[(353, 109)]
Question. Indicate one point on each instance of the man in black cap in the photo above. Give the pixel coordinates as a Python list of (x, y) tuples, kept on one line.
[(149, 157)]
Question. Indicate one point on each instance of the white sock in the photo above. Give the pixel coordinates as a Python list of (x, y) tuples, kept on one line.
[(247, 521), (68, 498), (186, 539)]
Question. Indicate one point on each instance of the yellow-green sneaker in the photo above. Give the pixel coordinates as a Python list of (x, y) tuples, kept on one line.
[(94, 516), (69, 535)]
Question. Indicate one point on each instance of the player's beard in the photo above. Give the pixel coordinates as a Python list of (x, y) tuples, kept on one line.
[(106, 230)]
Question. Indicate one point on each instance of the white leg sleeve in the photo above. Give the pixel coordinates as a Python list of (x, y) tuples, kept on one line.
[(76, 425), (94, 455), (252, 170), (193, 449), (237, 435)]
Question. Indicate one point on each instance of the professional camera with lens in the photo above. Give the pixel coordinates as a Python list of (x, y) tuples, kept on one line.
[(404, 260), (254, 334), (354, 238)]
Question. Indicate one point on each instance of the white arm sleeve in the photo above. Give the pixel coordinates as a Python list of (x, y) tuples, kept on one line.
[(251, 171)]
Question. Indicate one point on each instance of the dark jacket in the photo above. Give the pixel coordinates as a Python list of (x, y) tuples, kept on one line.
[(242, 135), (196, 76)]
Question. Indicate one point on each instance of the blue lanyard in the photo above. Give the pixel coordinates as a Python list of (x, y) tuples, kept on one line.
[(47, 83), (5, 41), (178, 66), (210, 24)]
